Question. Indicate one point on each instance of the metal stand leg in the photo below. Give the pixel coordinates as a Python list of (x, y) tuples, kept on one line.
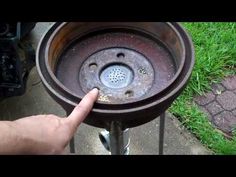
[(72, 145), (119, 139), (161, 133)]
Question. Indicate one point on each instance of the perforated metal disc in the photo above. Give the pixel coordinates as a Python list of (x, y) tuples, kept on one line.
[(120, 74), (116, 76)]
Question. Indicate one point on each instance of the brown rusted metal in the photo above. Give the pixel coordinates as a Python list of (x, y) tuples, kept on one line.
[(120, 79), (140, 68)]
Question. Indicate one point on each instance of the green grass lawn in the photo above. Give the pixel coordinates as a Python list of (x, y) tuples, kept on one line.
[(215, 52)]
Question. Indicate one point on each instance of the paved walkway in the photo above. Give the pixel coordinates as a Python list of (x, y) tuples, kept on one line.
[(220, 105)]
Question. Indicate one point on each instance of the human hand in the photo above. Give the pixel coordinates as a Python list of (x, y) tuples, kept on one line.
[(50, 134)]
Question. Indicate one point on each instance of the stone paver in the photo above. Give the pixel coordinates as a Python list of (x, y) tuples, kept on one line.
[(214, 108), (226, 121), (220, 104), (217, 88), (205, 99), (227, 100), (221, 122), (230, 83)]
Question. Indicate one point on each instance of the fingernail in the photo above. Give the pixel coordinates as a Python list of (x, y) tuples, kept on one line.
[(95, 90)]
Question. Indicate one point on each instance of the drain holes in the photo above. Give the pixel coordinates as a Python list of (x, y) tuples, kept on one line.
[(116, 76), (129, 93), (120, 55), (93, 66)]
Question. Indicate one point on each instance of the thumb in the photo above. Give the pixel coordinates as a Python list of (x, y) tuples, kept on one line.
[(83, 108)]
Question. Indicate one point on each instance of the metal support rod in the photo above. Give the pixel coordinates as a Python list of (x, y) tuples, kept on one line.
[(119, 139), (161, 133)]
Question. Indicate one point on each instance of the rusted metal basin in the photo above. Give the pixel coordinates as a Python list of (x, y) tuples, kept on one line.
[(140, 68)]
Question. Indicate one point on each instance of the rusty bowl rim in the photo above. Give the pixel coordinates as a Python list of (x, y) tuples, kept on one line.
[(60, 84), (128, 110)]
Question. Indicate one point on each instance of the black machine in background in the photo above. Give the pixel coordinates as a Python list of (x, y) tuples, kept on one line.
[(17, 57)]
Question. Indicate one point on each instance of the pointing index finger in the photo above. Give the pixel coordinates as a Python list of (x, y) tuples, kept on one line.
[(83, 108)]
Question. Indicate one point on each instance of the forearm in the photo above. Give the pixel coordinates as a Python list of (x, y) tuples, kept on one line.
[(11, 139)]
